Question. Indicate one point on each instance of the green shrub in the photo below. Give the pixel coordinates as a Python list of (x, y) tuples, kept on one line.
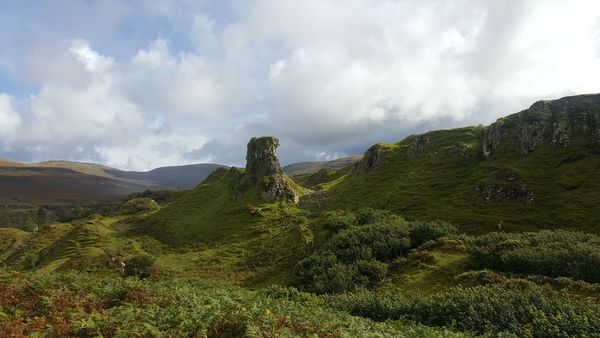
[(337, 221), (518, 307), (138, 205), (160, 196), (140, 266), (422, 232), (548, 253), (359, 256), (368, 216)]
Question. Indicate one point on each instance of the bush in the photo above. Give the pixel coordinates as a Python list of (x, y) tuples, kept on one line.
[(518, 307), (160, 196), (547, 253), (322, 273), (140, 266), (369, 216), (138, 205), (337, 221), (360, 255), (422, 232)]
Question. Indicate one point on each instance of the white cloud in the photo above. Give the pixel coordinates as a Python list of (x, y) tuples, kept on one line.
[(327, 77), (364, 64), (9, 118), (96, 116), (156, 150), (183, 85), (94, 113)]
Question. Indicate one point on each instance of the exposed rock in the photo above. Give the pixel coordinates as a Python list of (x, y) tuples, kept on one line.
[(496, 192), (506, 185), (546, 122), (417, 147), (459, 150), (372, 157), (261, 157), (314, 200), (561, 133), (263, 168)]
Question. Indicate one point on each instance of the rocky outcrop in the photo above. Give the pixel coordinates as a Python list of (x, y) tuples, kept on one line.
[(556, 123), (459, 151), (503, 192), (505, 185), (263, 169), (371, 158), (417, 147)]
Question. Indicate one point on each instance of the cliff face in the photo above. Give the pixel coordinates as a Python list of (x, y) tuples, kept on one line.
[(263, 168), (372, 157), (546, 122)]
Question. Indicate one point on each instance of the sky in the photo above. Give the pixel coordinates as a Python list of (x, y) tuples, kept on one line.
[(139, 84)]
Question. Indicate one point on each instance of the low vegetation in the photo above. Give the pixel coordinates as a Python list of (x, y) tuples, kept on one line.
[(360, 254), (549, 253), (82, 305), (351, 252)]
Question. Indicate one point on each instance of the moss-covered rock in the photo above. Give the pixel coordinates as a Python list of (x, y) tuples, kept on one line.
[(138, 205), (263, 168)]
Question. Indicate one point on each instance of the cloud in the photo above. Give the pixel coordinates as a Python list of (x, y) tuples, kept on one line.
[(115, 112), (188, 81), (365, 72), (184, 85), (9, 118), (93, 113), (156, 150)]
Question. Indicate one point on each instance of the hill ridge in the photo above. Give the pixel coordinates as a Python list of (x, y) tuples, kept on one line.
[(540, 173)]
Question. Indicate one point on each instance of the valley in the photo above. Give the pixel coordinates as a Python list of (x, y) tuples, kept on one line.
[(477, 231)]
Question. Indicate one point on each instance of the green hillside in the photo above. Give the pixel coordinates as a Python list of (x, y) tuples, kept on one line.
[(230, 202), (304, 168), (440, 234), (445, 174)]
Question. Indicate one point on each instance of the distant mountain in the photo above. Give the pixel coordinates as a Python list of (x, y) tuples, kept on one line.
[(174, 177), (304, 168), (58, 182)]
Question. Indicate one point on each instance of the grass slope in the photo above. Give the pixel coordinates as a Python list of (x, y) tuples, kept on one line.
[(211, 213), (304, 168), (439, 184), (244, 240)]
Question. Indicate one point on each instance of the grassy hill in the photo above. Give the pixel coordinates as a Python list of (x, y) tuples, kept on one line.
[(342, 252), (304, 168), (446, 175)]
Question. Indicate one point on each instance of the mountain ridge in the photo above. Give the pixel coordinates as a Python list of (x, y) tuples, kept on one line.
[(533, 178), (57, 181)]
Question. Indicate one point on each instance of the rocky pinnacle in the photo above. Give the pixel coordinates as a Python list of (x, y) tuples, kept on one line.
[(262, 167)]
